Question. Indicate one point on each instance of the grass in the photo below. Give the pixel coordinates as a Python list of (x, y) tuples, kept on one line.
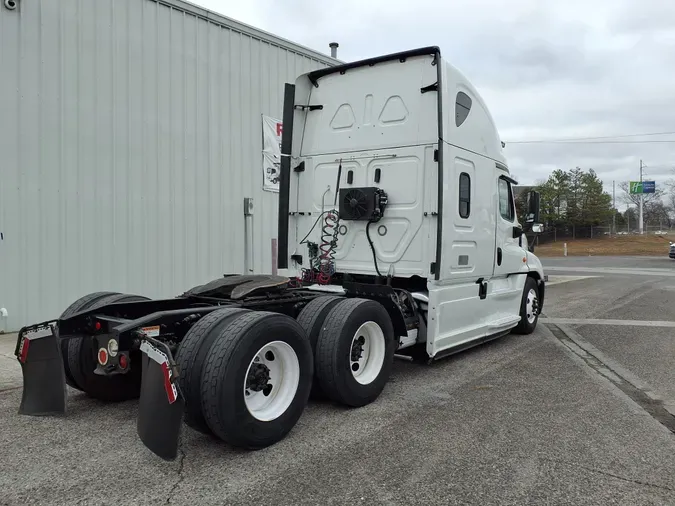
[(621, 245)]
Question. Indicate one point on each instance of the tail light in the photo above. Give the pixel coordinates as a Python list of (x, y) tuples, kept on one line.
[(102, 356)]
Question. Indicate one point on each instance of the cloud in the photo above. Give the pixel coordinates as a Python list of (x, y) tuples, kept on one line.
[(547, 69)]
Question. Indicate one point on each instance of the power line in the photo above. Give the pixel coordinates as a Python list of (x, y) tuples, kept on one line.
[(574, 139), (591, 142)]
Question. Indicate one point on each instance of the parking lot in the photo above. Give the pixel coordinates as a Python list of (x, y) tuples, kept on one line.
[(580, 412)]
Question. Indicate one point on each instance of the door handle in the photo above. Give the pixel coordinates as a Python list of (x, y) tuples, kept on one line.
[(499, 256)]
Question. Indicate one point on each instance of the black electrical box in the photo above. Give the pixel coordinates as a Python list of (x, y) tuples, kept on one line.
[(362, 204)]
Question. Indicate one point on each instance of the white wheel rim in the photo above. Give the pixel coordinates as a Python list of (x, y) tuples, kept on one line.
[(530, 306), (278, 364), (366, 354)]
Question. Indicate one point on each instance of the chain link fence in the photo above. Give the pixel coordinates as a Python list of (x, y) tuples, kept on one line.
[(554, 234)]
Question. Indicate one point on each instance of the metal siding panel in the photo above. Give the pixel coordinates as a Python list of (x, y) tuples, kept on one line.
[(130, 133), (11, 260)]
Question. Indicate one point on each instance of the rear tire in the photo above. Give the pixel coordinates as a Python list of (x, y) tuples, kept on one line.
[(529, 308), (192, 354), (355, 352), (82, 363), (255, 420), (311, 318), (81, 304)]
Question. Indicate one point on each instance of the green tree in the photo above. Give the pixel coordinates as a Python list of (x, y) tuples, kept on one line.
[(596, 205), (553, 197), (574, 198)]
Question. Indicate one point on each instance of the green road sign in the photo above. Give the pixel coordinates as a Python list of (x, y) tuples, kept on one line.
[(637, 187)]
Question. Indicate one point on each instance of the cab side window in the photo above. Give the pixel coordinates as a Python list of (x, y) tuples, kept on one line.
[(464, 195), (506, 200)]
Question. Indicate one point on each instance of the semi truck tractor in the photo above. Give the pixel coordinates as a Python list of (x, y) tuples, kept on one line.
[(397, 236)]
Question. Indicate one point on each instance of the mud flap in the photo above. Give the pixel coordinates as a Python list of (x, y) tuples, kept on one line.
[(161, 406), (44, 380)]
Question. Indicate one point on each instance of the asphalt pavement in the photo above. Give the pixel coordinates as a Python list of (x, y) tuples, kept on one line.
[(572, 414)]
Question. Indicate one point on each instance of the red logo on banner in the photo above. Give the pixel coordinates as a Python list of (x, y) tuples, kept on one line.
[(280, 128)]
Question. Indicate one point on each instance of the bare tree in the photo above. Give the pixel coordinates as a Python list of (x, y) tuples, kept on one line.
[(634, 199)]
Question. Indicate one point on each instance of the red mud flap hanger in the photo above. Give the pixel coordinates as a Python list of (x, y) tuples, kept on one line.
[(44, 380), (160, 410)]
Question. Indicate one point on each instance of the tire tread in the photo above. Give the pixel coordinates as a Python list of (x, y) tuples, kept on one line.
[(186, 356), (218, 357), (119, 388), (327, 362), (80, 304)]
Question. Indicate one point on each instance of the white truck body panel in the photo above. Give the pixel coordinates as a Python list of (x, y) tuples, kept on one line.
[(368, 125), (380, 116)]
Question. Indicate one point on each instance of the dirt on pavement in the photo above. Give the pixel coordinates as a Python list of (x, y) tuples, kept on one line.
[(620, 245)]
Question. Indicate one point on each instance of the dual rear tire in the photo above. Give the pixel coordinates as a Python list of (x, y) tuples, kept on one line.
[(79, 356), (354, 352), (246, 375)]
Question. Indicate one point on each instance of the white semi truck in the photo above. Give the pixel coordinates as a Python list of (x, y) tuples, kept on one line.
[(398, 234)]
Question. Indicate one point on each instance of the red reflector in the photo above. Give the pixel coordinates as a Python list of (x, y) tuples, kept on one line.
[(123, 361), (97, 325), (23, 351), (102, 356), (170, 388)]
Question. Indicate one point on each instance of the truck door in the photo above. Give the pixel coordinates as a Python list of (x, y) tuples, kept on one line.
[(505, 288)]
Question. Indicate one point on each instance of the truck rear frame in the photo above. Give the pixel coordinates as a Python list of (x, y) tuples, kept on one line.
[(240, 356)]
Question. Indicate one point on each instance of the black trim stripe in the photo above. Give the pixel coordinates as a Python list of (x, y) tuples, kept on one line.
[(429, 50), (285, 181), (439, 230)]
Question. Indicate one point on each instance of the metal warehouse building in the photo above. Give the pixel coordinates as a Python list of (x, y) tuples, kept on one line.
[(130, 135)]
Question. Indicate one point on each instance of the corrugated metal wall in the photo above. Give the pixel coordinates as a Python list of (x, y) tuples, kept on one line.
[(130, 132)]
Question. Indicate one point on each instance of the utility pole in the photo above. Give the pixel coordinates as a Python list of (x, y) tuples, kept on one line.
[(642, 199), (613, 208)]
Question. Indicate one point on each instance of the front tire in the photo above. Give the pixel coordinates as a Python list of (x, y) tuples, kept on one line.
[(256, 380), (529, 308), (355, 352)]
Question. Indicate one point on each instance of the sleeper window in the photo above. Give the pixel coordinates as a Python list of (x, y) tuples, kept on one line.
[(464, 195), (462, 107)]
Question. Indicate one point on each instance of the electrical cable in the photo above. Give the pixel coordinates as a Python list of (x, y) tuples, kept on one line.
[(329, 239), (570, 139), (314, 226), (592, 142), (372, 248)]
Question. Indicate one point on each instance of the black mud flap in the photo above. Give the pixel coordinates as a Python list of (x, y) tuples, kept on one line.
[(161, 406), (44, 380)]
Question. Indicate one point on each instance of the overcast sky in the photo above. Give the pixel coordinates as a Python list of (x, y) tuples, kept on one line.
[(547, 69)]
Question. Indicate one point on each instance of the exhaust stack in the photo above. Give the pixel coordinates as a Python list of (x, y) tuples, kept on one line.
[(333, 49)]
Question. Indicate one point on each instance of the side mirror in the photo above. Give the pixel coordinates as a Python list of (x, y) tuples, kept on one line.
[(532, 207), (537, 228)]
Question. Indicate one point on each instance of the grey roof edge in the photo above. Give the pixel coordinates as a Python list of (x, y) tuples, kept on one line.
[(249, 30)]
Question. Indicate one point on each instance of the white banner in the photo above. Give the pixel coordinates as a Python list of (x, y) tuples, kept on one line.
[(271, 158)]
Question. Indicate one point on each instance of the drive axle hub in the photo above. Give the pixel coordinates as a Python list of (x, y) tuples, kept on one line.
[(258, 378), (357, 348)]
